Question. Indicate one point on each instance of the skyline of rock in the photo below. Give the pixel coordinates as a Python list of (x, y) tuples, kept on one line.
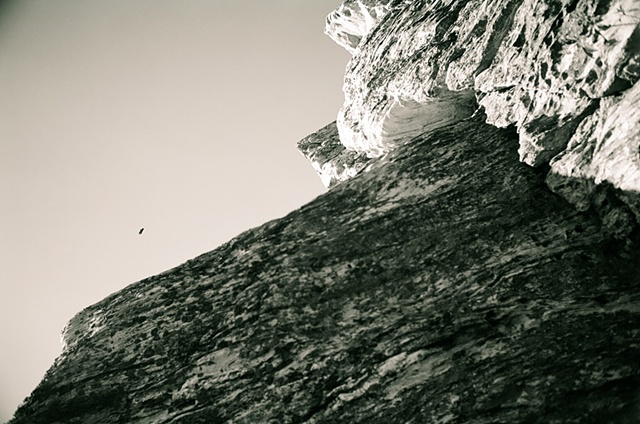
[(440, 279)]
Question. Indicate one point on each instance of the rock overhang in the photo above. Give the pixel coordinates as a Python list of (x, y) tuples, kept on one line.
[(422, 287), (550, 68)]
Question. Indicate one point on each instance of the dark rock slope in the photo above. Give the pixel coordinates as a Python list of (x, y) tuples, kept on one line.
[(441, 281), (448, 284)]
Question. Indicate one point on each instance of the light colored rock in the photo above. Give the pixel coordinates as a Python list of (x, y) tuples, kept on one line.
[(548, 70), (603, 152), (331, 160), (606, 146), (394, 85), (353, 20), (538, 74), (401, 120), (541, 66)]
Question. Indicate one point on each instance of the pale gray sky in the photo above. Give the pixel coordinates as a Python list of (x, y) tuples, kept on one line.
[(178, 116)]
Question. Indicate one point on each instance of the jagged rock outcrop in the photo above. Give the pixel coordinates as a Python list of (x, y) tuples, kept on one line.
[(330, 158), (353, 19), (541, 65), (448, 283), (602, 161)]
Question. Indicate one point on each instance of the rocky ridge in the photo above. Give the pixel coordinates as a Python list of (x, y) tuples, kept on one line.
[(446, 283)]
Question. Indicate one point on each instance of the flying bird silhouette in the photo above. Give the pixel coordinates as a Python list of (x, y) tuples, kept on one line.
[(141, 230)]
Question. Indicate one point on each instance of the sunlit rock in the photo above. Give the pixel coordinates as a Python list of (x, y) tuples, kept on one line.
[(539, 65), (549, 70), (331, 160), (353, 20), (440, 280), (606, 146), (604, 151)]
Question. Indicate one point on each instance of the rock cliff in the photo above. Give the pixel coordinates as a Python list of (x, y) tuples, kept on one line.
[(441, 279), (564, 73)]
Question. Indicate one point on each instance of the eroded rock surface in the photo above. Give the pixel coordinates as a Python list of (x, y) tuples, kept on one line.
[(448, 284), (602, 162), (353, 19), (331, 159), (547, 82), (543, 66)]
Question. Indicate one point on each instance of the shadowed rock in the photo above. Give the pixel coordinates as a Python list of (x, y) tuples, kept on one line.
[(448, 284)]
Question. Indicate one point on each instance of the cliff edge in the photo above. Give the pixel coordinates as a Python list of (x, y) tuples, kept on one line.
[(476, 259)]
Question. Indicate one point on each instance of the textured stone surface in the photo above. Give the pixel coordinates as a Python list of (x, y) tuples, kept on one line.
[(603, 157), (548, 72), (448, 284), (541, 65), (331, 160), (606, 145), (353, 19)]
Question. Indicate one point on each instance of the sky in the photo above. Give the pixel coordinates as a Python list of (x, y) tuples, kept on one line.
[(181, 117)]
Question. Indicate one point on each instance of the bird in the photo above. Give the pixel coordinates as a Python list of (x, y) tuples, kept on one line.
[(141, 230)]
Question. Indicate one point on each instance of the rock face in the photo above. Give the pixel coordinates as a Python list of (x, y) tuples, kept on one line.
[(440, 279), (543, 66), (331, 159), (448, 284), (354, 19)]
